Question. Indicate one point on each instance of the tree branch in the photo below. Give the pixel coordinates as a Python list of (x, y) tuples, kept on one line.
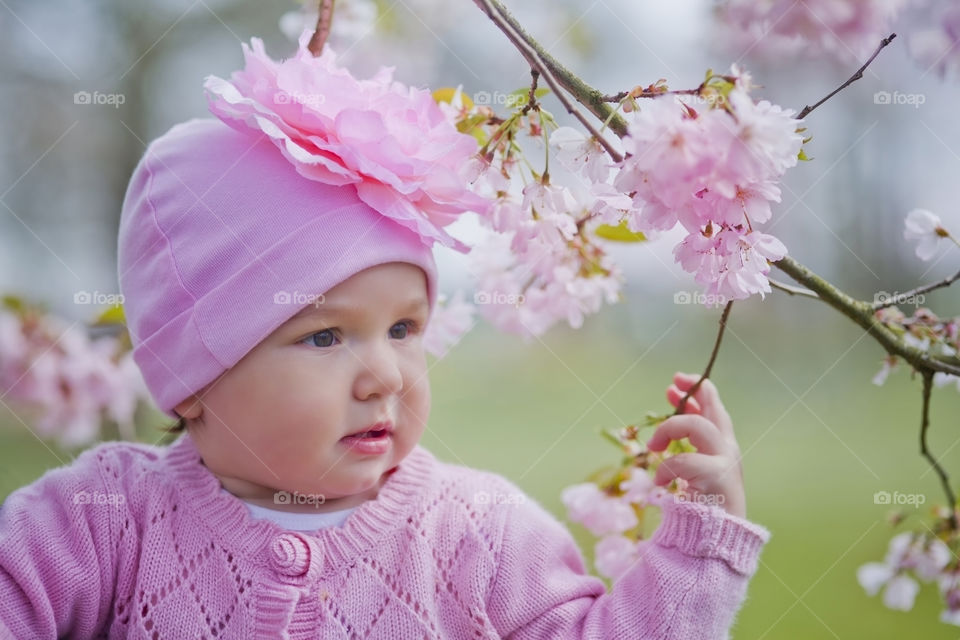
[(586, 95), (713, 358), (924, 424), (856, 76), (497, 13), (794, 291), (946, 282), (862, 314)]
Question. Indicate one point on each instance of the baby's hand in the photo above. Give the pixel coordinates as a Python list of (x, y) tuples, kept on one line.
[(714, 470)]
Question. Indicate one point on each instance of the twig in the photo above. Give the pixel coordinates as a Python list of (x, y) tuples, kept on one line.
[(617, 97), (794, 291), (856, 76), (584, 93), (322, 32), (924, 423), (946, 282), (713, 358), (862, 313), (533, 58), (532, 99)]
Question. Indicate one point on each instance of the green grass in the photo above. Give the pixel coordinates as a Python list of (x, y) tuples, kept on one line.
[(531, 412)]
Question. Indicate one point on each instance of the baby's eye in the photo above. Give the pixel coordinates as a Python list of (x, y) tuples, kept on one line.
[(405, 327), (323, 338)]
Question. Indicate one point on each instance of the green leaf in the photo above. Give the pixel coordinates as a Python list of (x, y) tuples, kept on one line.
[(14, 303), (446, 94), (652, 419), (520, 97), (619, 233), (112, 315), (681, 446)]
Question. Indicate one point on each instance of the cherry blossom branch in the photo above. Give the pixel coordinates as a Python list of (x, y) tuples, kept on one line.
[(586, 95), (322, 32), (713, 358), (858, 311), (856, 76), (946, 282), (861, 312), (794, 291), (924, 423), (496, 12)]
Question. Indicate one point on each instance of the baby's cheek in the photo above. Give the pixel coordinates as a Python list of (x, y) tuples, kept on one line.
[(416, 398)]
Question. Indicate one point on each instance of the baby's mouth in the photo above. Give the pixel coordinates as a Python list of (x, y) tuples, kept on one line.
[(379, 433)]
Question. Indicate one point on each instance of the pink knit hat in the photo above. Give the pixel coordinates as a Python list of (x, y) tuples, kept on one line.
[(222, 240)]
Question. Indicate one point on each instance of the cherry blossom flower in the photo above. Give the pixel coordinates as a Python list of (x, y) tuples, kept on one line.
[(926, 230), (889, 366), (614, 555), (70, 382), (581, 154), (640, 489), (925, 556), (588, 505), (949, 585)]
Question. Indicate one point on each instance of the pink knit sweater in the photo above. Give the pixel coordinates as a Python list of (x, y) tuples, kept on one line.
[(133, 541)]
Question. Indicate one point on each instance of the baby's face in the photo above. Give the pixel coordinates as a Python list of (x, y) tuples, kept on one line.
[(277, 419)]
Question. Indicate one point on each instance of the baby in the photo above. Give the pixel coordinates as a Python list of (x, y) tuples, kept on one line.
[(280, 319)]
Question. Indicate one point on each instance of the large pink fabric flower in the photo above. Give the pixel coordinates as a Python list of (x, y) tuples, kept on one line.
[(391, 141)]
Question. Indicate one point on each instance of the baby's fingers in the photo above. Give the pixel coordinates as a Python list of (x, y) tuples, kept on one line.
[(708, 398), (684, 465), (674, 395), (703, 435)]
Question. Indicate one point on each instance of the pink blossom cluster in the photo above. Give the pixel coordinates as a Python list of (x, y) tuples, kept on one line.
[(538, 262), (72, 382), (912, 557), (925, 331), (843, 28), (714, 169), (611, 517), (538, 268)]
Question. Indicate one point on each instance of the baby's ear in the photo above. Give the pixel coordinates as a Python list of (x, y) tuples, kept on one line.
[(190, 408)]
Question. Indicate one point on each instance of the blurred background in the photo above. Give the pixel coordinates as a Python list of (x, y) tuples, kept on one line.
[(819, 440)]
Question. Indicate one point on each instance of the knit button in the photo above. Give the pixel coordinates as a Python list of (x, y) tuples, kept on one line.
[(290, 554)]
